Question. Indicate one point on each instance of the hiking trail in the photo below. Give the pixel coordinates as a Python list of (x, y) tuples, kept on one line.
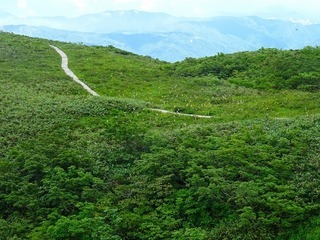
[(64, 65)]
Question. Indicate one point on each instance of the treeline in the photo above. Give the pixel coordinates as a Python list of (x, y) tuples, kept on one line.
[(262, 69)]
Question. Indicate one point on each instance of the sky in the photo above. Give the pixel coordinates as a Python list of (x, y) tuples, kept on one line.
[(295, 9)]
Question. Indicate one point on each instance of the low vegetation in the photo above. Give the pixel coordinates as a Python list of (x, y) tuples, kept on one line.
[(74, 166)]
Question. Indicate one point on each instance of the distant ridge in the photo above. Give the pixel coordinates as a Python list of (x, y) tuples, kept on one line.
[(169, 38)]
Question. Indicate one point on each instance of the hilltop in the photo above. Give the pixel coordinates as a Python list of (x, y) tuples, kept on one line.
[(76, 166)]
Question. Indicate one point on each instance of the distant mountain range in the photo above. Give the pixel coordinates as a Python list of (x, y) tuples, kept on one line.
[(166, 37)]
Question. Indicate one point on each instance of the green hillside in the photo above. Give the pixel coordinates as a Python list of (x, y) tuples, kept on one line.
[(263, 69), (75, 166)]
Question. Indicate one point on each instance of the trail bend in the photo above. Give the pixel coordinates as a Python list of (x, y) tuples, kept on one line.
[(64, 65), (67, 70)]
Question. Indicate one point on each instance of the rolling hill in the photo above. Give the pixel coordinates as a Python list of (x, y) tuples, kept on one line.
[(76, 166)]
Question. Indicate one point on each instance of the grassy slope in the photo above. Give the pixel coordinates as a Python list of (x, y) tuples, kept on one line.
[(153, 82), (69, 159)]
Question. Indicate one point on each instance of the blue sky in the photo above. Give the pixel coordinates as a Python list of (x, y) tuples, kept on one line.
[(296, 9)]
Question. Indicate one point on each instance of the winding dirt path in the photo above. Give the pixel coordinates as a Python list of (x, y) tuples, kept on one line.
[(64, 65)]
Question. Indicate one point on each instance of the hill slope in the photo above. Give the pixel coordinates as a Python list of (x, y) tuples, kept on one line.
[(74, 166)]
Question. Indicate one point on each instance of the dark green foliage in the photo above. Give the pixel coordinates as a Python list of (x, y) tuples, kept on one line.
[(263, 69), (73, 166), (245, 180)]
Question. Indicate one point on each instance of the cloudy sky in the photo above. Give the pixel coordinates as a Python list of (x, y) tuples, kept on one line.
[(297, 9)]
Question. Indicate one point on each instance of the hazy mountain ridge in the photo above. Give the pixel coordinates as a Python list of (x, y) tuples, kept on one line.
[(166, 37)]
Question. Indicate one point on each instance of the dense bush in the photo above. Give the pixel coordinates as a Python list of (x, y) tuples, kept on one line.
[(263, 69)]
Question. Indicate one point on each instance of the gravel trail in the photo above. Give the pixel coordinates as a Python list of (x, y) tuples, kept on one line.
[(64, 65)]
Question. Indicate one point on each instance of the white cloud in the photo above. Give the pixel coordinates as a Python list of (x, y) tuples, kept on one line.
[(148, 5), (24, 9), (186, 8), (22, 4), (80, 4), (121, 1)]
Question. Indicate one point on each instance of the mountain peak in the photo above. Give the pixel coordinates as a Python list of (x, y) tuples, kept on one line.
[(171, 38), (131, 13)]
